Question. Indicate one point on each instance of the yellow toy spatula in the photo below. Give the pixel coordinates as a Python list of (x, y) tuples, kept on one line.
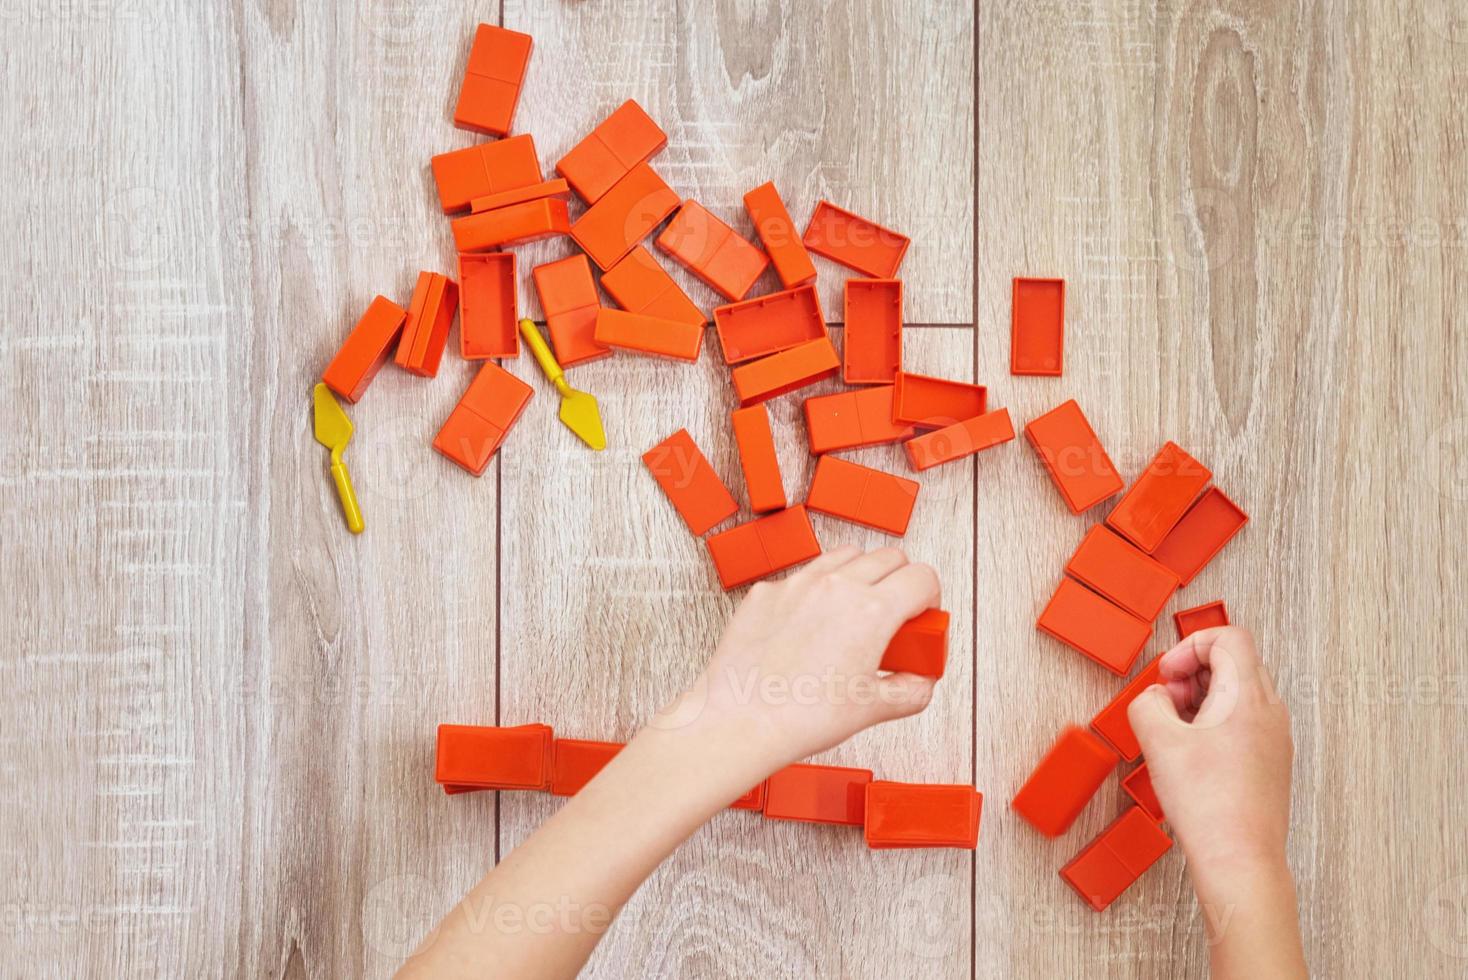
[(578, 409), (334, 431)]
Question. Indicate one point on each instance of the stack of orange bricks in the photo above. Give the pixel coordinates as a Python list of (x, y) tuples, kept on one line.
[(1161, 533)]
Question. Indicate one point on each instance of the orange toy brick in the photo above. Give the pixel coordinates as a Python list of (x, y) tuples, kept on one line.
[(1138, 785), (484, 415), (1201, 534), (641, 334), (485, 757), (1073, 456), (960, 440), (488, 286), (1109, 865), (851, 419), (933, 403), (787, 371), (873, 331), (519, 195), (855, 242), (484, 170), (624, 216), (691, 484), (426, 330), (763, 546), (769, 324), (753, 800), (1037, 327), (1064, 781), (517, 224), (777, 233), (623, 140), (818, 794), (920, 645), (1111, 722), (1086, 622), (639, 285), (576, 762), (756, 441), (366, 349), (713, 251), (568, 296), (852, 492), (1204, 617), (905, 815), (1114, 567), (1159, 498), (491, 90)]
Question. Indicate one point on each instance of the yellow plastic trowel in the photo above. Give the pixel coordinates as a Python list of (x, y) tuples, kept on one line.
[(334, 431), (578, 409)]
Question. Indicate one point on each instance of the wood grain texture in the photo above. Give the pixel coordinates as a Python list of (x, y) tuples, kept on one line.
[(218, 739)]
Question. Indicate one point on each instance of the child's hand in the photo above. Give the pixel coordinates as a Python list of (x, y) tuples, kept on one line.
[(1216, 738), (796, 670)]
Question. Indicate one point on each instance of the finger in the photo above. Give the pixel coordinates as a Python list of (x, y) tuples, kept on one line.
[(909, 590), (874, 566), (901, 696), (1154, 718), (1225, 687), (827, 562)]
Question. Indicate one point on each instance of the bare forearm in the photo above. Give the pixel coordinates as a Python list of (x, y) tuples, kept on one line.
[(1253, 921)]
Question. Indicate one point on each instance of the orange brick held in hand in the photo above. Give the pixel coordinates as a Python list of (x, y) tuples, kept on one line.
[(485, 757), (484, 415), (642, 334), (1204, 617), (769, 324), (1138, 785), (690, 483), (1086, 622), (484, 170), (517, 224), (1037, 327), (818, 794), (576, 763), (1111, 722), (920, 645), (777, 234), (789, 370), (905, 815), (1201, 534), (491, 89), (1159, 498), (756, 442), (1073, 456), (851, 419), (623, 140), (639, 285), (624, 216), (366, 349), (1109, 865), (873, 331), (570, 301), (712, 250), (426, 330), (855, 242), (960, 440), (487, 305), (1064, 781), (852, 492), (933, 403), (763, 546), (1114, 567)]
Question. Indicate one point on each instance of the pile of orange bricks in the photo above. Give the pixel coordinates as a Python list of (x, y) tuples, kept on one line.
[(1156, 539)]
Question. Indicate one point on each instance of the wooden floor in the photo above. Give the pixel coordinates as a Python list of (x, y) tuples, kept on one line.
[(220, 707)]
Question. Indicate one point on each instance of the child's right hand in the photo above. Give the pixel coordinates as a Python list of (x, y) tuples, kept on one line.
[(1216, 738)]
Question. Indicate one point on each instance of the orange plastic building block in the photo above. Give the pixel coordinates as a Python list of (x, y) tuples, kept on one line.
[(769, 324), (519, 195), (850, 419), (642, 334), (932, 403), (366, 349), (777, 233), (1138, 785), (568, 296), (576, 762), (517, 224), (959, 440), (787, 371), (713, 251), (1201, 534), (1037, 327), (873, 331), (484, 415), (1112, 566), (624, 216), (1108, 865), (484, 170), (1085, 621), (485, 757), (1206, 616), (753, 800), (855, 242), (1159, 498), (487, 306), (639, 285), (491, 89), (903, 815), (920, 645), (426, 331), (852, 492), (1073, 456), (818, 794), (1111, 722), (1064, 781), (686, 476), (763, 546), (757, 458), (623, 140)]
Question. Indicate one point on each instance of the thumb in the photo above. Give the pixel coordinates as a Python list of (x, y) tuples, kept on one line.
[(1154, 719), (900, 696)]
